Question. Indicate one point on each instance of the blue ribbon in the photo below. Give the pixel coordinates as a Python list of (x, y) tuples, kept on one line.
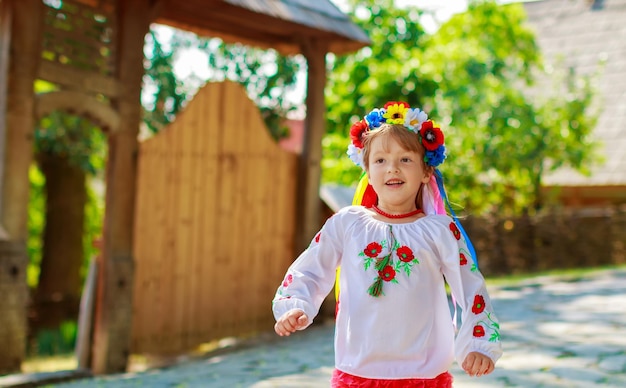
[(442, 192)]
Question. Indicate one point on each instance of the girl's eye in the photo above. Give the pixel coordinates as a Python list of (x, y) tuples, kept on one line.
[(379, 161), (406, 160)]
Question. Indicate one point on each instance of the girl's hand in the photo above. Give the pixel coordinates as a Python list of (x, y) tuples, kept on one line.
[(477, 364), (291, 321)]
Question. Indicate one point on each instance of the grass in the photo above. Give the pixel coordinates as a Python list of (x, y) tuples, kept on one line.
[(570, 274), (49, 363)]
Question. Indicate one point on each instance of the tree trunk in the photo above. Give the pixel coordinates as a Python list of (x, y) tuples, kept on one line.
[(57, 297)]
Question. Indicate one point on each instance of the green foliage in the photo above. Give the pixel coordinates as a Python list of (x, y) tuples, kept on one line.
[(36, 223), (50, 342), (505, 130), (78, 138), (84, 144), (168, 95), (267, 76), (390, 69), (479, 75), (94, 213)]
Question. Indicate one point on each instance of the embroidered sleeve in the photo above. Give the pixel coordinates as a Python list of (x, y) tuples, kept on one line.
[(311, 276), (480, 330)]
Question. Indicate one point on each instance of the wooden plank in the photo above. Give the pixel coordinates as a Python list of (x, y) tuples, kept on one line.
[(145, 291), (5, 45), (228, 201), (74, 78), (168, 270), (196, 276), (209, 213), (184, 227), (85, 317)]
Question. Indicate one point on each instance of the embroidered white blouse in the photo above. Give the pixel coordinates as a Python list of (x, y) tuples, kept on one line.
[(407, 330)]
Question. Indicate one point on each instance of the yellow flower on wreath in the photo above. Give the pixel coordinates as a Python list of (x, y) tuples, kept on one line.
[(395, 112)]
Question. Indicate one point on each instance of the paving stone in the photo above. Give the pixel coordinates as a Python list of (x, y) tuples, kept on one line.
[(556, 333)]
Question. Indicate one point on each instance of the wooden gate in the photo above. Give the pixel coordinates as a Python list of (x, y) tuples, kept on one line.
[(214, 225)]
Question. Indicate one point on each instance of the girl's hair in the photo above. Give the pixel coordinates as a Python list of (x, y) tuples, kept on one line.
[(409, 140)]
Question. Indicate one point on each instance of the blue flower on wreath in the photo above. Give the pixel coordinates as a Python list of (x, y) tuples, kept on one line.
[(436, 157), (375, 118)]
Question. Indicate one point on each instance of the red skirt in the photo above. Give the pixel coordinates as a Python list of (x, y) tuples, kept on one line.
[(345, 380)]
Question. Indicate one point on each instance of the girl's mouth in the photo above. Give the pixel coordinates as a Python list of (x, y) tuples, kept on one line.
[(394, 182)]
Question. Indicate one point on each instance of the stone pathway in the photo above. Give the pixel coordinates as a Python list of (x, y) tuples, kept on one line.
[(557, 332)]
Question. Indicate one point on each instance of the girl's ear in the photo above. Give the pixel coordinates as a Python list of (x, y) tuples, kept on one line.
[(428, 172)]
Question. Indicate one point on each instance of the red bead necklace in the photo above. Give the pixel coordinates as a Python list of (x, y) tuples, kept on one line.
[(396, 216)]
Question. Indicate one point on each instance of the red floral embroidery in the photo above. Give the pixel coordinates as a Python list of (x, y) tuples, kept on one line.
[(288, 280), (463, 259), (479, 304), (317, 237), (387, 273), (479, 331), (405, 254), (373, 249), (455, 231)]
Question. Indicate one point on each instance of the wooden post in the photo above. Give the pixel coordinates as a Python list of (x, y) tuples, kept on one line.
[(25, 18), (5, 44), (113, 317), (309, 164)]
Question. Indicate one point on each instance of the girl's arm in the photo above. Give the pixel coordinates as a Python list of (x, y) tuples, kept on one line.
[(480, 330), (309, 279)]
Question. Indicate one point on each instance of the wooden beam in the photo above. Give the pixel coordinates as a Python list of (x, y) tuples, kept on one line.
[(309, 166), (25, 41), (77, 79), (5, 44), (80, 104), (113, 316), (25, 50)]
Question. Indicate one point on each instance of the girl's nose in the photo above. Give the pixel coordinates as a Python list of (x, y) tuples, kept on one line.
[(392, 167)]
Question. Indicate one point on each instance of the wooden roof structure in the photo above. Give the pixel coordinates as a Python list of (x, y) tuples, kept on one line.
[(589, 37), (282, 25), (93, 51)]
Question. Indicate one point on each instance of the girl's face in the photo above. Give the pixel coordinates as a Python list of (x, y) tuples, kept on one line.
[(395, 173)]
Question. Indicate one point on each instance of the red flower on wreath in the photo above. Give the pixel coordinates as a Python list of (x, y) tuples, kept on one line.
[(373, 249), (387, 273), (405, 254), (288, 280), (432, 137), (463, 259), (317, 237), (479, 331), (356, 133), (455, 231), (479, 304)]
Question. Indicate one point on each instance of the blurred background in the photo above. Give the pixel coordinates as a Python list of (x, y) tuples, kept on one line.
[(531, 97)]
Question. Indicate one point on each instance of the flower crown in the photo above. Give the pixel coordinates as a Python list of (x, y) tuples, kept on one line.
[(413, 119)]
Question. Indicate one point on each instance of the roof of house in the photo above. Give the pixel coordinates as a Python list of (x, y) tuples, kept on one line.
[(583, 34), (336, 196), (281, 24)]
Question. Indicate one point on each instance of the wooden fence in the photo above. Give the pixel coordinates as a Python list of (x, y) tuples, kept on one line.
[(214, 228), (554, 239)]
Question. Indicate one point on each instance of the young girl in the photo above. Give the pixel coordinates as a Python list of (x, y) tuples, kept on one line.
[(393, 323)]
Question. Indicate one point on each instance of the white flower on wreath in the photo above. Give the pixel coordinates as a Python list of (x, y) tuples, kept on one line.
[(356, 155), (414, 119)]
